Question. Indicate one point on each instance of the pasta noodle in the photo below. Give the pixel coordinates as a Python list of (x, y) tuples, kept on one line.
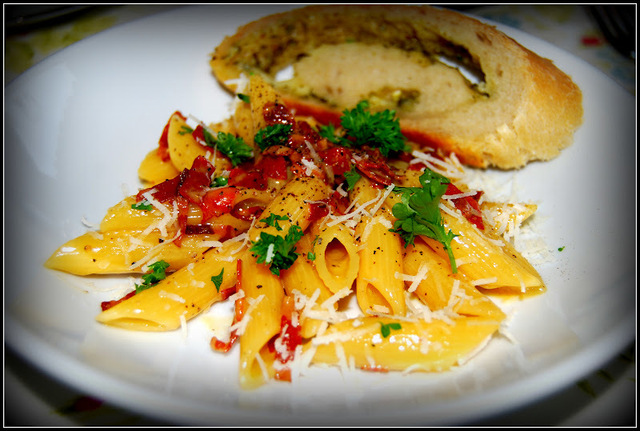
[(330, 246), (336, 256)]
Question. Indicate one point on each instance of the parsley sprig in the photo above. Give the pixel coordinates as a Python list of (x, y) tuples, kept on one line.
[(277, 251), (230, 145), (273, 219), (380, 129), (157, 274), (274, 134), (418, 213)]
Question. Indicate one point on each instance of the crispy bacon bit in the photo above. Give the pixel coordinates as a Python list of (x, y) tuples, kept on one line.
[(318, 210), (276, 113), (218, 202), (377, 171), (338, 158), (468, 206), (108, 304)]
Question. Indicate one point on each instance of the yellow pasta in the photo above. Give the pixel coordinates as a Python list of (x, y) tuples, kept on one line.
[(183, 148), (430, 278), (242, 114), (336, 255), (384, 344), (292, 204), (125, 251), (380, 252), (302, 281), (263, 295), (153, 169), (262, 95), (181, 296), (485, 260)]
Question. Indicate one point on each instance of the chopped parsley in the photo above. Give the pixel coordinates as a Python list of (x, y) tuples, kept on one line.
[(230, 145), (329, 132), (152, 278), (418, 213), (243, 97), (185, 130), (380, 130), (143, 205), (276, 251), (217, 280), (385, 328), (352, 178), (272, 220), (275, 134)]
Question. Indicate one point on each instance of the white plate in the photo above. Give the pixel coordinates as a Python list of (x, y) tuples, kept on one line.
[(77, 126)]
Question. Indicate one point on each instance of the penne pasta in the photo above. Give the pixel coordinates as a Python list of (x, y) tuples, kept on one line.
[(179, 297), (385, 344), (481, 257), (125, 251), (292, 205), (153, 169), (303, 282), (261, 321), (428, 276), (337, 261), (380, 252)]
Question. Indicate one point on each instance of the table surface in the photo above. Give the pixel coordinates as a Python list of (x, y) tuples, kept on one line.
[(605, 398)]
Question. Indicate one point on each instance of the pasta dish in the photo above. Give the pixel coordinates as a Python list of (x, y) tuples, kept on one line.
[(336, 243)]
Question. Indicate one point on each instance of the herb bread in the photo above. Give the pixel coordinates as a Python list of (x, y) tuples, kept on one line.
[(508, 108)]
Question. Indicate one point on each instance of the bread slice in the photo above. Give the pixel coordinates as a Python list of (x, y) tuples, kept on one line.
[(456, 84)]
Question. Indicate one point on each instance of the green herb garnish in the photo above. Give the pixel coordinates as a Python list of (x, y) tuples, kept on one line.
[(275, 134), (243, 97), (276, 251), (143, 205), (352, 178), (385, 328), (185, 130), (380, 130), (152, 278), (272, 220), (418, 213), (230, 145), (217, 280), (329, 132)]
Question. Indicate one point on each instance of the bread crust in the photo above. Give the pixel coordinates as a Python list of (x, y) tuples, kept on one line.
[(525, 109)]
